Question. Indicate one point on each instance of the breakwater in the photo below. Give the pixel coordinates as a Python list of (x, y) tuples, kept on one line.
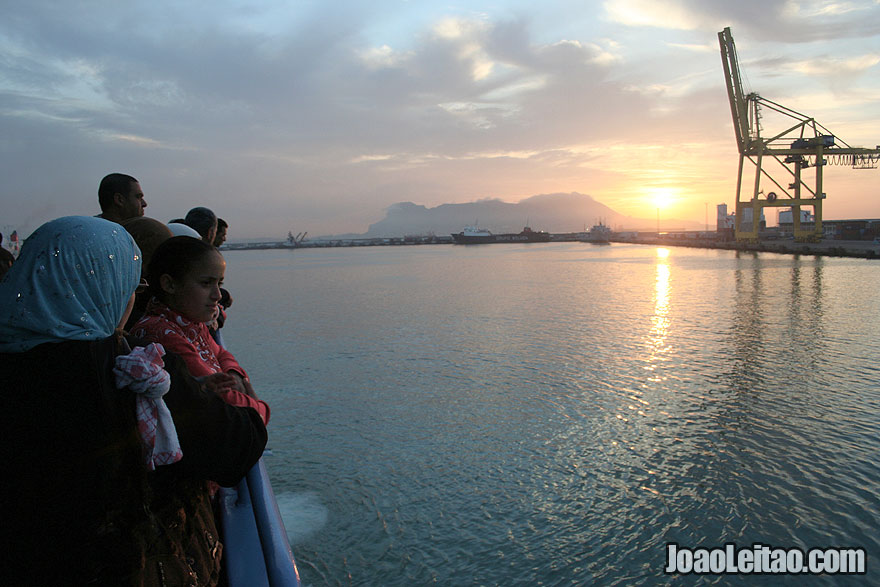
[(863, 249)]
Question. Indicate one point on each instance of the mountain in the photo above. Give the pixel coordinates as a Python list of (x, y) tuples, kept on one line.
[(550, 212)]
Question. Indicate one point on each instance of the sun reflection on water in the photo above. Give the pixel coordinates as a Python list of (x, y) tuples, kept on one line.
[(660, 320)]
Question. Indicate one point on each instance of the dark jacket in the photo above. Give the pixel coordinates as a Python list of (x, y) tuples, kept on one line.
[(78, 505)]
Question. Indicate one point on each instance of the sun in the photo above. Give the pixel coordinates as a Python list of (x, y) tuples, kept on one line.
[(662, 197)]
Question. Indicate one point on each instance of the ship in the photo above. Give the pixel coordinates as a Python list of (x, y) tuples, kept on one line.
[(472, 235), (599, 234)]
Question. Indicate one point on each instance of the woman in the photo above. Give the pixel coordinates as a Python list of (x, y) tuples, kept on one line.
[(102, 485), (185, 276)]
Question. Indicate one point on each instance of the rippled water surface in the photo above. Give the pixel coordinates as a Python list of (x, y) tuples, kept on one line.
[(554, 414)]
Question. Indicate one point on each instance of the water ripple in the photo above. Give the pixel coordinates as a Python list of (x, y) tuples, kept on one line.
[(512, 415)]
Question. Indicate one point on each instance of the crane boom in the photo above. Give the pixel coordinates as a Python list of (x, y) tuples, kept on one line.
[(739, 107), (803, 143)]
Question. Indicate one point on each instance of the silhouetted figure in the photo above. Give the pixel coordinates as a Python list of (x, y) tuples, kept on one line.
[(120, 197), (220, 238), (204, 221)]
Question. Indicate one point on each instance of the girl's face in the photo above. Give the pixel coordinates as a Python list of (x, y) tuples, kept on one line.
[(196, 295)]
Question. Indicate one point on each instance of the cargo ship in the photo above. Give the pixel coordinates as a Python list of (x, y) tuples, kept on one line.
[(472, 235)]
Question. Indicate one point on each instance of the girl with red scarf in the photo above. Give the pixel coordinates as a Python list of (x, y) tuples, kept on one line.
[(185, 275)]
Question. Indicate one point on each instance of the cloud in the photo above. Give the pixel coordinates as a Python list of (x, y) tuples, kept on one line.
[(837, 66), (794, 21), (652, 13), (303, 114)]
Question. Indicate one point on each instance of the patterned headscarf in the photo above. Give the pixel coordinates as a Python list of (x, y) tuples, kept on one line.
[(72, 281)]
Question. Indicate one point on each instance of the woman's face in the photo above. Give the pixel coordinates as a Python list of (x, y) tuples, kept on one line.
[(196, 295)]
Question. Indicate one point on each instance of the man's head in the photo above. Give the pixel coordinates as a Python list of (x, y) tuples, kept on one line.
[(120, 197), (220, 238), (204, 221)]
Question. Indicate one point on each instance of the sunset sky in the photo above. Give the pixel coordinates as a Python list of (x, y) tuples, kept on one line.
[(317, 116)]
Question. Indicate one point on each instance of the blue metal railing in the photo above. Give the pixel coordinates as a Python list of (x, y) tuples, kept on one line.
[(256, 551)]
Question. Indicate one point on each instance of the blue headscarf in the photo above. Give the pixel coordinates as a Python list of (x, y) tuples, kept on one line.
[(72, 281)]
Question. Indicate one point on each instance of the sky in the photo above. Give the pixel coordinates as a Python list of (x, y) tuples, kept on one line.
[(317, 116)]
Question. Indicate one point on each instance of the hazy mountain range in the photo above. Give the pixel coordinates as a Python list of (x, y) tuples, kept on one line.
[(555, 213)]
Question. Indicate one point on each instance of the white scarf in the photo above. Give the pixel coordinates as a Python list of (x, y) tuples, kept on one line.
[(142, 371)]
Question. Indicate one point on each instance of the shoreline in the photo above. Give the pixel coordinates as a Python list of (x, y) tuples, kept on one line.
[(825, 247)]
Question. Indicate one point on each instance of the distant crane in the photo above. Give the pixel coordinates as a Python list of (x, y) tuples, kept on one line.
[(804, 144), (295, 241)]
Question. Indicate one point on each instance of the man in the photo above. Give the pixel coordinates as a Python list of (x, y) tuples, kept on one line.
[(204, 221), (221, 232), (120, 197), (225, 296)]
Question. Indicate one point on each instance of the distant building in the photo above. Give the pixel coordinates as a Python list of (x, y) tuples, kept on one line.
[(746, 220), (786, 226), (725, 220), (785, 216), (859, 229), (851, 230), (726, 223)]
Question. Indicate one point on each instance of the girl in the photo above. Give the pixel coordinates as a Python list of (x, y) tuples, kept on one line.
[(185, 275)]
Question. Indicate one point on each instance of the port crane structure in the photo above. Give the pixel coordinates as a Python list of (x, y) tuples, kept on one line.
[(295, 241), (802, 145)]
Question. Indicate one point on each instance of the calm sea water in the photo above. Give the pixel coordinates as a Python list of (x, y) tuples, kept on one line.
[(554, 414)]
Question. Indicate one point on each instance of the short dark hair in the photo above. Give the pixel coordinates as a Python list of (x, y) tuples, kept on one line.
[(175, 257), (202, 220), (221, 224), (114, 183)]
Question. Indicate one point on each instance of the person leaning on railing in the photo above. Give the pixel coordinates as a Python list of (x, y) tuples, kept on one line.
[(185, 276)]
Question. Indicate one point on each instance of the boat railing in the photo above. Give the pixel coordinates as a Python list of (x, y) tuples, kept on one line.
[(277, 553), (257, 552)]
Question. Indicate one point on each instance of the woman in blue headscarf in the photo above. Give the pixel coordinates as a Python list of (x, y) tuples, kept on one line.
[(107, 449), (72, 281)]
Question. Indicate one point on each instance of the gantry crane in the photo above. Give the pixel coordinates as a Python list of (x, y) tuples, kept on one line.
[(802, 145)]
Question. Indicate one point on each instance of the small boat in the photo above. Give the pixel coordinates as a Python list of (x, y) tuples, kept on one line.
[(472, 235)]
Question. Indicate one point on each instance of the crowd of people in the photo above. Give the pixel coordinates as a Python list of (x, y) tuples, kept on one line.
[(128, 411)]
